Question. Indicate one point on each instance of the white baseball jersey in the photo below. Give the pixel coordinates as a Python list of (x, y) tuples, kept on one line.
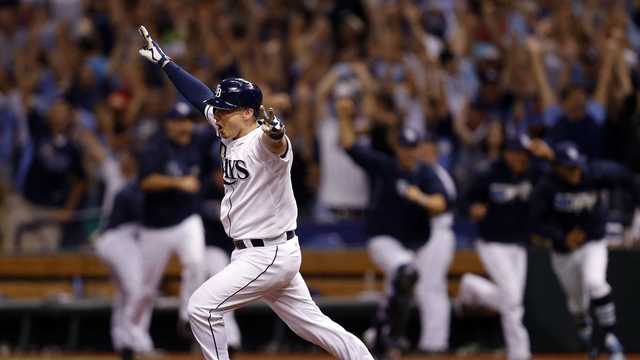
[(258, 198), (259, 203)]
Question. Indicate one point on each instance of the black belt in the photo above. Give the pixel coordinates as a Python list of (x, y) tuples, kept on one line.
[(239, 244)]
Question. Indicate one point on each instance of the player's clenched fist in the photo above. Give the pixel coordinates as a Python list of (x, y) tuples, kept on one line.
[(151, 50), (190, 184), (270, 123), (478, 211)]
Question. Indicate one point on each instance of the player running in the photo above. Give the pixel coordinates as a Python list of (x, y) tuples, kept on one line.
[(117, 246), (259, 213), (499, 203), (406, 195), (568, 210)]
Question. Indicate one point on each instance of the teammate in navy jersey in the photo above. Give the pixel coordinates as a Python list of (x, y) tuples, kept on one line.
[(567, 209), (170, 166), (499, 204), (404, 196)]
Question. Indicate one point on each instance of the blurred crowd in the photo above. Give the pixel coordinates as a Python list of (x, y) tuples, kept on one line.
[(469, 74)]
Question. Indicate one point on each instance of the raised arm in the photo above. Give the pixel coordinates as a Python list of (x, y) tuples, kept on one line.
[(540, 74), (370, 160), (194, 90), (611, 50)]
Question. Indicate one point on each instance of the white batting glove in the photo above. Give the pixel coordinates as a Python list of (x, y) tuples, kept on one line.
[(151, 50), (270, 123)]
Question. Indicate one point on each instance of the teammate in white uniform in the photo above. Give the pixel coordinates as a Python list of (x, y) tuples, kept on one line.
[(117, 246), (433, 261), (259, 213)]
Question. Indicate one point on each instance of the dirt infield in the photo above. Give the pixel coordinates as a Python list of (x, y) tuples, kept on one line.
[(288, 357)]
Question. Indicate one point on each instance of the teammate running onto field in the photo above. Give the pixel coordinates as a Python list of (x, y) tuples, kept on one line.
[(259, 213), (406, 195), (499, 203), (567, 209)]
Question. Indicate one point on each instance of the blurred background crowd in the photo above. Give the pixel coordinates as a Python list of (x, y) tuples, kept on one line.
[(75, 96)]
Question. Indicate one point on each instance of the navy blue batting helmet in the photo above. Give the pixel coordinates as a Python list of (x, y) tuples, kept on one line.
[(567, 154), (235, 93)]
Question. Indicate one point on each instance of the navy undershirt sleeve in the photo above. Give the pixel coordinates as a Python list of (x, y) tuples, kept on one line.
[(194, 90)]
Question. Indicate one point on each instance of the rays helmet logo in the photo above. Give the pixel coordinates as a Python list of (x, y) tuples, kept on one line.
[(218, 91), (573, 153)]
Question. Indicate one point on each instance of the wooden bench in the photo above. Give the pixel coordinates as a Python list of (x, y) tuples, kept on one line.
[(330, 273)]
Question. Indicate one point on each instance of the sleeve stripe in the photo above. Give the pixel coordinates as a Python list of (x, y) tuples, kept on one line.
[(446, 180)]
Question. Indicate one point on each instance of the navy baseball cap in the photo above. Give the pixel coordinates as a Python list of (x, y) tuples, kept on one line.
[(180, 110), (567, 154), (236, 93), (409, 137)]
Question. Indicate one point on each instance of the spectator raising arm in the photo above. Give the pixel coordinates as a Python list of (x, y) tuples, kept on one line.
[(610, 53), (545, 91)]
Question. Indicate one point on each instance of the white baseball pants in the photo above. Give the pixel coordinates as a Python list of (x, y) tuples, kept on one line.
[(120, 251), (186, 239), (583, 274), (432, 261), (216, 260), (270, 274), (507, 266)]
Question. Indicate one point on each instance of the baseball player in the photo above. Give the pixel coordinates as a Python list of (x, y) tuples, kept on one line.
[(433, 261), (499, 203), (170, 167), (259, 214), (405, 195), (567, 209), (117, 246)]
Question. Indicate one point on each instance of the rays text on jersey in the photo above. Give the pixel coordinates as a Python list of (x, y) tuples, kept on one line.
[(234, 170)]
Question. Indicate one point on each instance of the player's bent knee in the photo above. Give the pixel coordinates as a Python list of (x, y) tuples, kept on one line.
[(196, 306), (597, 289)]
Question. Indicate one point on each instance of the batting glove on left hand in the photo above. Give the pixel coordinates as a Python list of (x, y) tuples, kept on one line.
[(270, 124), (152, 51)]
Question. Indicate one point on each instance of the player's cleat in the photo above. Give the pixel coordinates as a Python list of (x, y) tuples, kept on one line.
[(614, 347)]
